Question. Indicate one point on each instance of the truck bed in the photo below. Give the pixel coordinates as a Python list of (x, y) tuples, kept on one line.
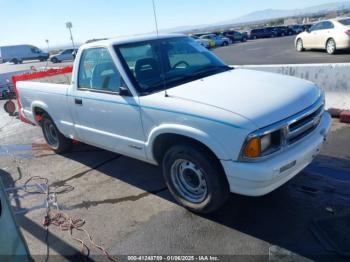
[(41, 94)]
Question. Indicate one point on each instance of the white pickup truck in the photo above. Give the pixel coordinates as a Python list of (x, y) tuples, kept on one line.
[(168, 101)]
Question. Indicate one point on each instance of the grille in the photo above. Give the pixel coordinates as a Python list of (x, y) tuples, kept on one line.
[(304, 125)]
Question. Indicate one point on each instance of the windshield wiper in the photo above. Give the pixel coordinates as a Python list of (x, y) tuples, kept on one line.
[(208, 69)]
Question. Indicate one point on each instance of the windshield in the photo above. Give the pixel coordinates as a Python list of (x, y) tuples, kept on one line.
[(164, 63), (345, 21)]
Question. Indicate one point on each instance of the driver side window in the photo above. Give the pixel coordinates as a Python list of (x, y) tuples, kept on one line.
[(97, 72)]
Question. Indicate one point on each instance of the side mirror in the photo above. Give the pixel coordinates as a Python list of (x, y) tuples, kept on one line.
[(123, 91)]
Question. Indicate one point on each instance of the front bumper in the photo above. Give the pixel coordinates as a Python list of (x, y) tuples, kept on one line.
[(260, 178)]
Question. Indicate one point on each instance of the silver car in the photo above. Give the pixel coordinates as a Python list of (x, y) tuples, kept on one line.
[(217, 39), (330, 35), (65, 55), (202, 42)]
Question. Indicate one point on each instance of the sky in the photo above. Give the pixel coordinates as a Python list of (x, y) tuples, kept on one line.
[(34, 21)]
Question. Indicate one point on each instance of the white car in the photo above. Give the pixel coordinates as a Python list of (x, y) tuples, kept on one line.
[(169, 101), (331, 35)]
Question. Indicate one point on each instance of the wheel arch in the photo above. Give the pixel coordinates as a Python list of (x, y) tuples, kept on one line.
[(165, 136), (329, 38), (38, 110)]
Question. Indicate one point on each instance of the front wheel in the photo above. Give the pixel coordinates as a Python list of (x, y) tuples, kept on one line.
[(331, 47), (57, 141), (195, 178)]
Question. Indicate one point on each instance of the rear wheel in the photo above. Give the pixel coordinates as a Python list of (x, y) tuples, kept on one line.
[(195, 178), (58, 142), (300, 45), (331, 47), (15, 61)]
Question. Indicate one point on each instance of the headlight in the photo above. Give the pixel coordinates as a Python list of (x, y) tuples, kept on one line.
[(261, 145)]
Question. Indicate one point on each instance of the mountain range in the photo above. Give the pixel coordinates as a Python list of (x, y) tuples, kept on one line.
[(269, 14)]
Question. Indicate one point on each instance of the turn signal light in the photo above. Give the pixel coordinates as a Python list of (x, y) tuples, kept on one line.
[(253, 148)]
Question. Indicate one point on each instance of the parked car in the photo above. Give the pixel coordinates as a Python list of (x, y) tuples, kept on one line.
[(235, 36), (297, 28), (283, 30), (202, 42), (18, 53), (7, 92), (65, 55), (218, 40), (331, 35), (170, 102), (262, 33), (6, 86)]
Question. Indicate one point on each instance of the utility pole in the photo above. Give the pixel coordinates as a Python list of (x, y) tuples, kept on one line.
[(48, 47), (69, 26)]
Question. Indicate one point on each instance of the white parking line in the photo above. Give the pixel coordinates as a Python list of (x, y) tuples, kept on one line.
[(253, 49)]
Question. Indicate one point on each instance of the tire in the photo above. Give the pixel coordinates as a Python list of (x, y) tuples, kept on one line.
[(255, 37), (225, 44), (54, 60), (299, 45), (195, 178), (53, 137), (331, 47), (15, 61)]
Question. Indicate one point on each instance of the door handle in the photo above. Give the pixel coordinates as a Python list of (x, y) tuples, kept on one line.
[(78, 101)]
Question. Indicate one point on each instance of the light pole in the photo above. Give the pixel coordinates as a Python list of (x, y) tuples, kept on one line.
[(48, 47), (69, 26)]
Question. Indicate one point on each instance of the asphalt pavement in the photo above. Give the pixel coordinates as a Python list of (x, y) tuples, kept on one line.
[(278, 50), (26, 65)]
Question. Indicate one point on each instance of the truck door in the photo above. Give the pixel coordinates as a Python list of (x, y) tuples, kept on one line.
[(12, 244), (103, 116)]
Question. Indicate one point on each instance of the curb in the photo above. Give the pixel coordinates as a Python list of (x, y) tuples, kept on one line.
[(343, 115)]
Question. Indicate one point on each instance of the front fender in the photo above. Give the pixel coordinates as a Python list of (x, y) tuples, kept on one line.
[(186, 131)]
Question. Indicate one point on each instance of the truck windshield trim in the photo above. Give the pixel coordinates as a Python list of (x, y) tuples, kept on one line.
[(160, 64)]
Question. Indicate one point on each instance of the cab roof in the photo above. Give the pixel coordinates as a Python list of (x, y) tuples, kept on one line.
[(130, 39)]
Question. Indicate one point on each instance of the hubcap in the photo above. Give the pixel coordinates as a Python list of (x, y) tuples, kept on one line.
[(50, 134), (189, 181), (330, 46)]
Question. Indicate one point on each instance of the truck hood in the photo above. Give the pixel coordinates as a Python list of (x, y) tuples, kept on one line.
[(263, 98)]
